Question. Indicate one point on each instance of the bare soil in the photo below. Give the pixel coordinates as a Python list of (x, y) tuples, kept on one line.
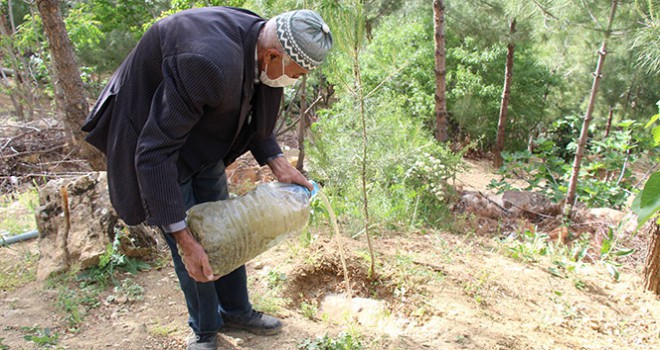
[(431, 290)]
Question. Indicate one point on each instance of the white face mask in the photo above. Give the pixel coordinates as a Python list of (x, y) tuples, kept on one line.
[(282, 81)]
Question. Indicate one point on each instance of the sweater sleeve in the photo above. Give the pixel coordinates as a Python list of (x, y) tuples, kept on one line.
[(265, 149), (190, 83)]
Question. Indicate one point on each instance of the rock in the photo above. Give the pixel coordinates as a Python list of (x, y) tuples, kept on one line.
[(92, 224), (529, 204), (481, 205)]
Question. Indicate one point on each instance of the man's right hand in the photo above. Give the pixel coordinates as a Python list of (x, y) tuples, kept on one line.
[(194, 257)]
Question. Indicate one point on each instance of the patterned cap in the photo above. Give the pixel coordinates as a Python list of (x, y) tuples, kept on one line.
[(304, 37)]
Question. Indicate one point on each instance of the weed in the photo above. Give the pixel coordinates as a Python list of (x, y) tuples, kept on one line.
[(269, 300), (127, 290), (529, 246), (275, 278), (162, 331), (476, 288), (609, 252), (75, 302), (2, 345), (41, 337), (309, 310), (268, 303), (17, 271), (344, 341), (17, 212), (605, 178), (69, 301)]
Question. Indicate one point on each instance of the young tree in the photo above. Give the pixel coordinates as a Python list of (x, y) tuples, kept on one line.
[(582, 142), (68, 77), (504, 106), (440, 72)]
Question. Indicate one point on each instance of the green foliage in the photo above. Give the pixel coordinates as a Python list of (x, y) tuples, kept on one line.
[(529, 246), (404, 167), (476, 90), (605, 175), (15, 273), (647, 203), (609, 251), (276, 278), (74, 302), (17, 212), (309, 310), (112, 259), (405, 172), (2, 345), (42, 337), (344, 341)]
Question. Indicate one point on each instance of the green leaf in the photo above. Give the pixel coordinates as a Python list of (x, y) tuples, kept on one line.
[(653, 120), (605, 247), (647, 203), (656, 135), (624, 252)]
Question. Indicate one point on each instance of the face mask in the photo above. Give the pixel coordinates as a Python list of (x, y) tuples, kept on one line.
[(282, 81)]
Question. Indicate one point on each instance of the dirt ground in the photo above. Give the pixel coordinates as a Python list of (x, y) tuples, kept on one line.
[(432, 290)]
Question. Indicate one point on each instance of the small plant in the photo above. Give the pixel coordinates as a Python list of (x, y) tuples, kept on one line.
[(41, 337), (344, 341), (609, 252), (605, 176), (530, 245), (74, 302), (275, 278), (309, 310), (162, 331), (2, 345), (131, 290)]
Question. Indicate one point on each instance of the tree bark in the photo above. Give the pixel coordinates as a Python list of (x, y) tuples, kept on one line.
[(17, 92), (68, 78), (440, 72), (608, 126), (652, 261), (582, 142), (506, 92)]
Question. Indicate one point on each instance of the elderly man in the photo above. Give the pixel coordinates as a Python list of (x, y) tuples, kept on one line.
[(201, 88)]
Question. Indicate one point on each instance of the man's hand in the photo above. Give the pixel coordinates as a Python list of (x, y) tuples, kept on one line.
[(285, 172), (194, 257)]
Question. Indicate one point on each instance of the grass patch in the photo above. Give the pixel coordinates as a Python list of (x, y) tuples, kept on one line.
[(343, 341), (17, 268), (162, 330), (17, 212)]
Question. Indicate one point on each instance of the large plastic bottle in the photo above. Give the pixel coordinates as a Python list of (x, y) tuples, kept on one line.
[(237, 230)]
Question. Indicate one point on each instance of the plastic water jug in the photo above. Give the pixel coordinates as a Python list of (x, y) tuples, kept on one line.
[(237, 230)]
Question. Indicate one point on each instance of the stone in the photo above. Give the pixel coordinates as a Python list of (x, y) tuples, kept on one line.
[(530, 204), (79, 237)]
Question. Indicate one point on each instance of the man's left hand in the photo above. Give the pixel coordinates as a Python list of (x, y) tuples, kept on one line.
[(285, 172)]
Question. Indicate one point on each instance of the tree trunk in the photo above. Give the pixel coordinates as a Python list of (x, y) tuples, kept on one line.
[(610, 115), (582, 142), (17, 92), (68, 78), (652, 261), (504, 106), (302, 126), (440, 72)]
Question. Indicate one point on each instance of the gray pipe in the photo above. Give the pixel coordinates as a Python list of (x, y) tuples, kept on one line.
[(22, 237)]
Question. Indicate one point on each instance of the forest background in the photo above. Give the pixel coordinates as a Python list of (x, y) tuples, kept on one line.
[(375, 120)]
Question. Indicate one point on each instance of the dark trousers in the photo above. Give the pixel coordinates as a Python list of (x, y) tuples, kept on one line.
[(207, 302)]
